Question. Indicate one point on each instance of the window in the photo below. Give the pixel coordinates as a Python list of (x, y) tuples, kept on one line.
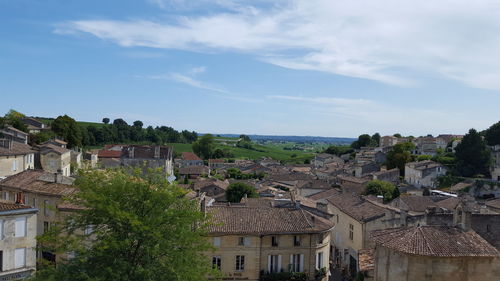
[(35, 203), (351, 231), (89, 229), (296, 240), (26, 200), (20, 228), (488, 228), (216, 241), (241, 241), (274, 263), (46, 207), (216, 262), (240, 263), (319, 260), (1, 229), (14, 165), (297, 263), (1, 261), (274, 241), (6, 195), (46, 226), (320, 237), (19, 257)]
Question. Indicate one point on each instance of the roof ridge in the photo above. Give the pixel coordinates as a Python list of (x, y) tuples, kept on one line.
[(419, 229)]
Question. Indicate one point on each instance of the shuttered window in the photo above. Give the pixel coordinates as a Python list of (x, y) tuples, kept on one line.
[(20, 228), (20, 257)]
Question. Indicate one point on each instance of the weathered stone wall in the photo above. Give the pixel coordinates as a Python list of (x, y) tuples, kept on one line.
[(395, 266)]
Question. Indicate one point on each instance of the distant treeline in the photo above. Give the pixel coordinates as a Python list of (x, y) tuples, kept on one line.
[(94, 134), (297, 139)]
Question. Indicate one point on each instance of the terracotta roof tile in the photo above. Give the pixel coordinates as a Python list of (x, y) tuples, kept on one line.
[(366, 260), (325, 194), (109, 154), (32, 181), (10, 206), (230, 220), (16, 148), (437, 241), (357, 207), (190, 156)]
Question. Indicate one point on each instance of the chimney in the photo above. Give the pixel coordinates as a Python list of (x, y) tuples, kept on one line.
[(157, 152)]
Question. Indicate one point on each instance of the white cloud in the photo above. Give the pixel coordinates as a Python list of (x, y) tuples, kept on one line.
[(385, 40)]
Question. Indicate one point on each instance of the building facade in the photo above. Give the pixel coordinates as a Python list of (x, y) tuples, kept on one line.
[(17, 240), (15, 157)]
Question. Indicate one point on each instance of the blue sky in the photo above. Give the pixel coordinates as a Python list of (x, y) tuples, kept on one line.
[(303, 67)]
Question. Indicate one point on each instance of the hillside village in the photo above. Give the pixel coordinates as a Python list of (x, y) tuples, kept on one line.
[(384, 208)]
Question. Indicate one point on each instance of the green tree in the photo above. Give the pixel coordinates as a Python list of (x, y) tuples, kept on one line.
[(245, 138), (397, 135), (399, 155), (473, 157), (363, 141), (375, 139), (386, 189), (15, 119), (492, 134), (237, 190), (143, 229), (204, 146), (66, 128), (105, 120)]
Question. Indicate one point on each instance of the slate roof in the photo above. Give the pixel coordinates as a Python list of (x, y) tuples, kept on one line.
[(33, 181), (357, 207), (190, 156), (436, 241), (10, 206), (233, 220), (16, 148)]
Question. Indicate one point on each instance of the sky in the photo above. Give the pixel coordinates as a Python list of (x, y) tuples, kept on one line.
[(337, 68)]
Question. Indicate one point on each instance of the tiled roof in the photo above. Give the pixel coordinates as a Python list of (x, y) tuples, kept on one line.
[(437, 241), (16, 148), (231, 220), (314, 184), (449, 203), (31, 181), (194, 170), (417, 203), (210, 161), (190, 156), (357, 207), (209, 182), (146, 151), (10, 128), (423, 165), (10, 206), (50, 147), (494, 203), (325, 194), (109, 154), (459, 186)]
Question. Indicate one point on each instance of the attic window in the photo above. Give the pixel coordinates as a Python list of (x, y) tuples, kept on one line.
[(274, 241)]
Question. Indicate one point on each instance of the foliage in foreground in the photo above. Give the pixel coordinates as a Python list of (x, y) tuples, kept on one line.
[(143, 229)]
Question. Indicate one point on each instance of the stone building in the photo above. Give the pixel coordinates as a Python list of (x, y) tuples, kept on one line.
[(148, 156), (434, 253), (321, 160), (41, 190), (266, 237), (387, 141), (15, 157), (190, 159), (55, 159), (14, 134), (424, 173), (17, 240)]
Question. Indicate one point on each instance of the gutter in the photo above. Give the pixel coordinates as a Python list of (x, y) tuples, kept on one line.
[(19, 211)]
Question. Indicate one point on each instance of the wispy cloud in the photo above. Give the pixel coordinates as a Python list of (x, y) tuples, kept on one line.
[(384, 40), (189, 78)]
